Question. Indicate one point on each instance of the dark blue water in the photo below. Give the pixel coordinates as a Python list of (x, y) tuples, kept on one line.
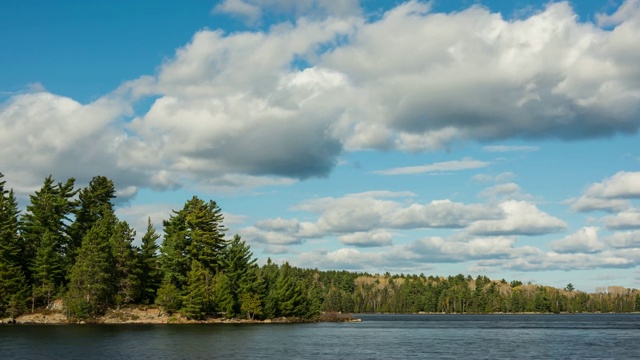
[(605, 336)]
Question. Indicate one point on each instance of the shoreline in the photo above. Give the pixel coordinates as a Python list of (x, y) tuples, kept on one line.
[(154, 316)]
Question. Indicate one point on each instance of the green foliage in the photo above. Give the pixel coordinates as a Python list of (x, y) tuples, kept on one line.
[(12, 280), (224, 301), (47, 269), (194, 233), (239, 268), (197, 298), (92, 202), (43, 253), (250, 305), (150, 274), (168, 297), (126, 272), (48, 213), (92, 276)]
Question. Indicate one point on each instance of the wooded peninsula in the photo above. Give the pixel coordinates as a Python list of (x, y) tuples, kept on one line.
[(70, 248)]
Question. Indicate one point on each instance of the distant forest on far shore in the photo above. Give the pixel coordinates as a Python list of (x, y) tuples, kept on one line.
[(70, 245)]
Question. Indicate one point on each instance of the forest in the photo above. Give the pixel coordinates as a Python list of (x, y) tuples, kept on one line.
[(69, 244)]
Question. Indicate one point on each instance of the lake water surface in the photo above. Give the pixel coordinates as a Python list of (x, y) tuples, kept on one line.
[(581, 336)]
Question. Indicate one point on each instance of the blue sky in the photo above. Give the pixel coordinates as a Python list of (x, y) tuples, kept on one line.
[(443, 137)]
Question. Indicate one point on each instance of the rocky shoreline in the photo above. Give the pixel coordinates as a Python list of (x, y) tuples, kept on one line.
[(143, 315)]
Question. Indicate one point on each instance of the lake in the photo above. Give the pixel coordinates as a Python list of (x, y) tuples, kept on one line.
[(580, 336)]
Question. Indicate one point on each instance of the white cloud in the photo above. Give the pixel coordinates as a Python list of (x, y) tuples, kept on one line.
[(412, 80), (253, 10), (622, 185), (585, 204), (506, 190), (584, 240), (629, 10), (624, 239), (522, 218), (440, 214), (445, 166), (609, 195), (537, 261), (367, 239), (250, 12), (624, 220)]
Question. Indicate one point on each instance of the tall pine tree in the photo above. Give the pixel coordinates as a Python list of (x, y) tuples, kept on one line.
[(150, 274), (91, 280), (92, 201), (12, 279), (47, 216)]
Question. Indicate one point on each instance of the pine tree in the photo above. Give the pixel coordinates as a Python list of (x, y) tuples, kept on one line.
[(194, 233), (224, 302), (168, 297), (91, 285), (196, 301), (46, 269), (126, 275), (150, 275), (239, 268), (48, 212), (92, 201), (12, 279)]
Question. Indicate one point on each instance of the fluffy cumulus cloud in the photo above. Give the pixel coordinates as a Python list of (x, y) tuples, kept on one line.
[(522, 218), (368, 219), (475, 75), (624, 240), (410, 80), (612, 195), (584, 240), (44, 134), (624, 220), (367, 238)]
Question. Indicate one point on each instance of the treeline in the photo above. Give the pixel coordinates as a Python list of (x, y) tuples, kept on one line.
[(364, 293), (69, 244)]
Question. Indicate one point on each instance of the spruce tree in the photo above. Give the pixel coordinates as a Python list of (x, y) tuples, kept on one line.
[(47, 215), (126, 273), (92, 201), (239, 268), (196, 301), (46, 270), (12, 279), (194, 233), (223, 297), (150, 275), (91, 284)]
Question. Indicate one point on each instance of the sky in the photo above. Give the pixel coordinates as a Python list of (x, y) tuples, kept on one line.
[(444, 137)]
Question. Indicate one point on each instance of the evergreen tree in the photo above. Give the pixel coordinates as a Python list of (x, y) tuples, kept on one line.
[(92, 201), (150, 275), (46, 270), (168, 297), (196, 301), (239, 268), (126, 275), (290, 294), (91, 278), (47, 212), (194, 233), (223, 297), (12, 279)]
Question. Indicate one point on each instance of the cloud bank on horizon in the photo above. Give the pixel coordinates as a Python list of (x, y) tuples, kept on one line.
[(277, 103)]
